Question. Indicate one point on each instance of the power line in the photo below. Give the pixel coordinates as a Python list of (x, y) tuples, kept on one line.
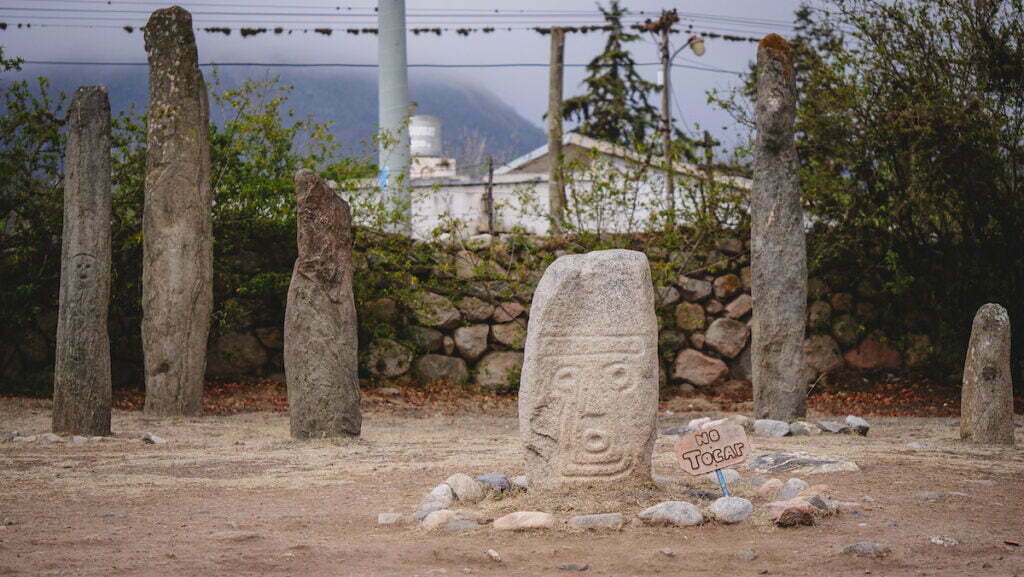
[(364, 65)]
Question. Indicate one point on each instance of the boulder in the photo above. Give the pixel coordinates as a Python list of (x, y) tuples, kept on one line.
[(666, 296), (858, 425), (699, 369), (388, 359), (818, 315), (500, 370), (821, 353), (730, 245), (512, 335), (694, 290), (471, 341), (841, 302), (845, 330), (429, 368), (425, 339), (434, 310), (690, 316), (872, 353), (713, 307), (507, 311), (740, 306), (727, 286), (727, 337), (475, 310)]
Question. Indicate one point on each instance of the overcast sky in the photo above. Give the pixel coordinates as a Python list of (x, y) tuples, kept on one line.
[(523, 88)]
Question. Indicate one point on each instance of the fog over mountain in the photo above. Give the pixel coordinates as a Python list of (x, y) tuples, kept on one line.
[(476, 123)]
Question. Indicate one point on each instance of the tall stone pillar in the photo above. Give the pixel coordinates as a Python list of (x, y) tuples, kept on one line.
[(81, 384), (986, 402), (320, 341), (177, 270), (778, 249)]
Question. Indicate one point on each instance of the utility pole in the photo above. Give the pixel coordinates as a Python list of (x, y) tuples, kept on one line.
[(663, 27), (556, 176), (489, 196), (393, 102)]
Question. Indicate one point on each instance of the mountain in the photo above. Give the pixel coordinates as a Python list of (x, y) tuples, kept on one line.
[(476, 123)]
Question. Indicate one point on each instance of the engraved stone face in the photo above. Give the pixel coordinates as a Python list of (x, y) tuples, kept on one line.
[(589, 388)]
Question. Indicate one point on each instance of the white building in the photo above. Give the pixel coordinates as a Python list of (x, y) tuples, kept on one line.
[(609, 188)]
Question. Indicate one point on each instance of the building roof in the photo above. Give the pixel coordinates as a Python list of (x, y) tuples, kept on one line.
[(614, 150)]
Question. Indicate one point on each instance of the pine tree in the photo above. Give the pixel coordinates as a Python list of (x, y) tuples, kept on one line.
[(615, 106)]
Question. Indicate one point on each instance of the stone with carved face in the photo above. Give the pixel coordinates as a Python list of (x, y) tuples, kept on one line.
[(588, 396)]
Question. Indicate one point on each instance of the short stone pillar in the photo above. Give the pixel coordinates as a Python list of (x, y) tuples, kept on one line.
[(320, 341), (81, 384), (588, 396), (778, 251), (177, 242), (986, 402)]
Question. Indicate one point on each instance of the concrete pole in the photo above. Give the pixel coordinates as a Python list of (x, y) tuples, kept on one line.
[(556, 178), (666, 119), (393, 98)]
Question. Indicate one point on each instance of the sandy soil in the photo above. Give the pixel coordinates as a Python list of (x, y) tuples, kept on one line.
[(233, 495)]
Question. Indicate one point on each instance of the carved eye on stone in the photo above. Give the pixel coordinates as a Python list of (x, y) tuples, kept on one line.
[(617, 374), (565, 377)]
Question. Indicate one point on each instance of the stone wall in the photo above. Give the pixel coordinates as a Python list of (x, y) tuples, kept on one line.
[(471, 335)]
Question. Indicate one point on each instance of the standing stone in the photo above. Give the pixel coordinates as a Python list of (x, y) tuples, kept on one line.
[(320, 341), (81, 384), (589, 392), (778, 251), (986, 404), (177, 267)]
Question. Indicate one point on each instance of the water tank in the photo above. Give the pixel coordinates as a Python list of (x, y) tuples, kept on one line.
[(425, 135)]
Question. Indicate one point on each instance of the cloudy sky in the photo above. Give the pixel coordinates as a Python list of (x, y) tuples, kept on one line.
[(84, 30)]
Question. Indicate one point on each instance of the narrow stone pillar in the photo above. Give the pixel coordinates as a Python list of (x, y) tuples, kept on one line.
[(588, 400), (986, 402), (81, 384), (778, 251), (177, 268), (320, 340)]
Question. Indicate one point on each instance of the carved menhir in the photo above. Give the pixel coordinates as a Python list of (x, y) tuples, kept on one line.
[(589, 388), (81, 384), (778, 251), (320, 341), (986, 405), (177, 269)]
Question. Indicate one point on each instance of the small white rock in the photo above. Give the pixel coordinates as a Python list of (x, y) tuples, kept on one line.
[(944, 540), (79, 439), (792, 488), (464, 488), (679, 513), (771, 428), (151, 439), (522, 520), (521, 482), (494, 556), (731, 509)]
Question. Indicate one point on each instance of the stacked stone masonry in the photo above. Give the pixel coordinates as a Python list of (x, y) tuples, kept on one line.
[(704, 338)]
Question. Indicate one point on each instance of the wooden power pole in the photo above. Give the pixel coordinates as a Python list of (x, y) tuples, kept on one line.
[(556, 178)]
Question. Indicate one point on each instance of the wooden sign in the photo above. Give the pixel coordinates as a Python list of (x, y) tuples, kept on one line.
[(713, 448)]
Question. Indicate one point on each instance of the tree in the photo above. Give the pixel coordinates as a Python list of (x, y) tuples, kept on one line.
[(615, 106), (911, 139)]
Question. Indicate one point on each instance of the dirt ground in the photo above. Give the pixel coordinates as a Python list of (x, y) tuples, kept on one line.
[(233, 495)]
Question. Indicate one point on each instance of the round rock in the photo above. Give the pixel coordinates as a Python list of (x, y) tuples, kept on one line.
[(731, 509)]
